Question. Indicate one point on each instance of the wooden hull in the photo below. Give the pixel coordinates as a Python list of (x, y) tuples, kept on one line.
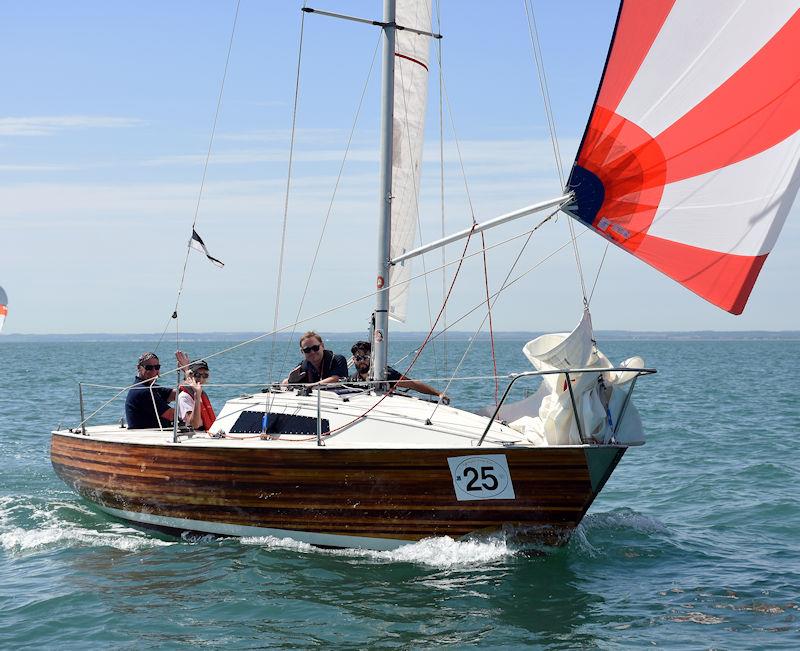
[(373, 498)]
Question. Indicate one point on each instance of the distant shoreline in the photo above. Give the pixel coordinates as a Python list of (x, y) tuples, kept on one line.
[(605, 335)]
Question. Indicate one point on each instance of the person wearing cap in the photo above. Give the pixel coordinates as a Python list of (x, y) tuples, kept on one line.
[(319, 366), (362, 351), (147, 404), (191, 392)]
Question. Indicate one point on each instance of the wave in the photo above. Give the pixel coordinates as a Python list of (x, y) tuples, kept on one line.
[(441, 552), (29, 525)]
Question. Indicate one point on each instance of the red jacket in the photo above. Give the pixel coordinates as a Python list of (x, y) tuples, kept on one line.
[(206, 410)]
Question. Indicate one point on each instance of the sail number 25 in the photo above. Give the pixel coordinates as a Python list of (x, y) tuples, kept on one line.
[(484, 477)]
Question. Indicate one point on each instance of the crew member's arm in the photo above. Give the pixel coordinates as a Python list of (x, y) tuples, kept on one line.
[(163, 397), (416, 385), (338, 370), (183, 364)]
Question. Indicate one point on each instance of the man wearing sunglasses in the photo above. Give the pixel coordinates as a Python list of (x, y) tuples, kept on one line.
[(319, 366), (361, 359), (147, 404)]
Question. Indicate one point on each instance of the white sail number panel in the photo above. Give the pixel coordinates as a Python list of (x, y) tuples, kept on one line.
[(481, 478)]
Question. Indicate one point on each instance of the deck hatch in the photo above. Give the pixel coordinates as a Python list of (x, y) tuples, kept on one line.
[(251, 422)]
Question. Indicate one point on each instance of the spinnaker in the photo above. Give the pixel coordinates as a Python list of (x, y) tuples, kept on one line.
[(690, 158)]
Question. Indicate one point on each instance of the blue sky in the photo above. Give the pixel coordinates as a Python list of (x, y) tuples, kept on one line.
[(106, 116)]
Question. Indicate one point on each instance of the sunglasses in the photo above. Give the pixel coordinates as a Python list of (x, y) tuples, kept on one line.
[(202, 375), (311, 349), (360, 358), (151, 367)]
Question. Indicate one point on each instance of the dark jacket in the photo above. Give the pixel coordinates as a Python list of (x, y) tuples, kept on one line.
[(332, 364), (139, 411)]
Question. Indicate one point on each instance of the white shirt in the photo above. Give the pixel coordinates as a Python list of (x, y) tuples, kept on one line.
[(185, 405)]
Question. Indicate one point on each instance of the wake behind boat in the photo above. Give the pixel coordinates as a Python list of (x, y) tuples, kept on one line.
[(677, 135)]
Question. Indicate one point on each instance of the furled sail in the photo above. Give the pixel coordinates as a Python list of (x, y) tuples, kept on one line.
[(690, 157), (410, 100), (3, 307)]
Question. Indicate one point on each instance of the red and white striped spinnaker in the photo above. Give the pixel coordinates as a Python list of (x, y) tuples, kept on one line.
[(3, 307), (690, 157), (410, 102)]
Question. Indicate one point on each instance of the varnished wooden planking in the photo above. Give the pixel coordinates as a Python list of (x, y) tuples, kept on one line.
[(404, 494)]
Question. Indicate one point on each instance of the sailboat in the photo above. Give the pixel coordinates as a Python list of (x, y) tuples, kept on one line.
[(689, 162)]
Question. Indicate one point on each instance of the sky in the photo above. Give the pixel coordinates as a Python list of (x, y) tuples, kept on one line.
[(106, 118)]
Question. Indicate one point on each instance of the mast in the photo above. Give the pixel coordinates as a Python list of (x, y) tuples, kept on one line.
[(380, 341)]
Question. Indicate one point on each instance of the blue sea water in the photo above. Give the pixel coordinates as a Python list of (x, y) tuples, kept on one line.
[(692, 544)]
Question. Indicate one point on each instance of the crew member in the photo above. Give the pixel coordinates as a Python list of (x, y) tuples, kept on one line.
[(319, 366), (361, 359), (147, 404)]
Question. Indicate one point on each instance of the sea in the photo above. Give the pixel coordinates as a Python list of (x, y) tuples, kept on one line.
[(693, 544)]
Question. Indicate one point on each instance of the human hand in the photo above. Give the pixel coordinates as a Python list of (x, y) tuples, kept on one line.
[(193, 382), (182, 359), (444, 399)]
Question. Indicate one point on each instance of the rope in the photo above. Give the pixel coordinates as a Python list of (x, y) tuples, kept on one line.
[(489, 312), (419, 351), (518, 278), (322, 313), (537, 55), (472, 212), (203, 179)]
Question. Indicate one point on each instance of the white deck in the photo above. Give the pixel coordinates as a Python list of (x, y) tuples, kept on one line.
[(393, 422)]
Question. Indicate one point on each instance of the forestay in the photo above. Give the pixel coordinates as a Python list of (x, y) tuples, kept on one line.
[(410, 100), (690, 157)]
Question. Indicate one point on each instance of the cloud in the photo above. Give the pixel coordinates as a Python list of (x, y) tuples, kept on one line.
[(50, 125)]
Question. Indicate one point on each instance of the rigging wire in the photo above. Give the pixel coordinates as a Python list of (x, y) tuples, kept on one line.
[(279, 281), (203, 179), (496, 296), (441, 179), (372, 295), (599, 269), (538, 60), (472, 214), (333, 197), (419, 351), (531, 269)]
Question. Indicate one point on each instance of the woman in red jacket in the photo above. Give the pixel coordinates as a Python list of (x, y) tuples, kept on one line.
[(192, 394)]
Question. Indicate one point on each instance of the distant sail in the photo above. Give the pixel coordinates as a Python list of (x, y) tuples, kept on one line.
[(410, 101), (690, 157), (3, 307)]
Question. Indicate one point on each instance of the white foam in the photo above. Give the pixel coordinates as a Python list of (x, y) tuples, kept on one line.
[(18, 539), (28, 526), (444, 552), (279, 543), (440, 552)]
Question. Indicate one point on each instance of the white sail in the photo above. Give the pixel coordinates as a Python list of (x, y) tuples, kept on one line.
[(410, 100)]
